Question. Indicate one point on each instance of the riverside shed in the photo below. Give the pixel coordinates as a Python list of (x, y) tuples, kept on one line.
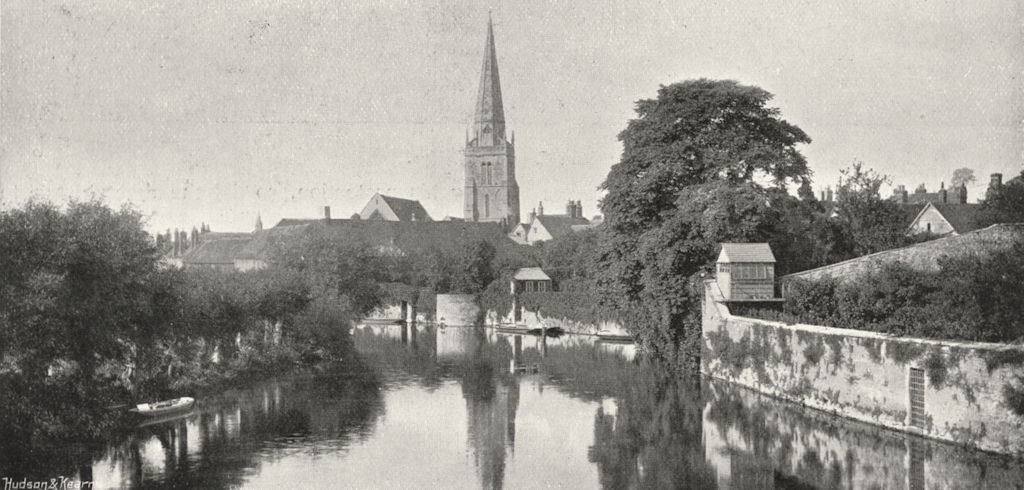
[(746, 271)]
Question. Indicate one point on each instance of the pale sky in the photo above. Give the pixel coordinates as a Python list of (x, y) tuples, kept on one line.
[(198, 111)]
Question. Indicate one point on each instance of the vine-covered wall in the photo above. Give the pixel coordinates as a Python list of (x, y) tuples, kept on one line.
[(974, 391)]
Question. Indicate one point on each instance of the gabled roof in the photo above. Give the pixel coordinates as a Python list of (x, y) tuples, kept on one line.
[(910, 211), (259, 247), (746, 253), (405, 208), (559, 224), (962, 217), (530, 274), (223, 251)]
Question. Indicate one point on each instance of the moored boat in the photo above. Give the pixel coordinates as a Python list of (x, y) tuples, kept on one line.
[(615, 338), (165, 407)]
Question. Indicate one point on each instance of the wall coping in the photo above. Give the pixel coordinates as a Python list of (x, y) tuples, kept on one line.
[(896, 251), (715, 295)]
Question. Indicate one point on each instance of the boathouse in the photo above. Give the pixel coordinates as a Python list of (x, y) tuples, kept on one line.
[(746, 271), (530, 280)]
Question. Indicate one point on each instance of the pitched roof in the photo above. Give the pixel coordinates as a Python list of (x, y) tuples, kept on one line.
[(910, 211), (559, 224), (746, 252), (403, 234), (962, 217), (404, 208), (530, 274), (223, 251), (262, 241)]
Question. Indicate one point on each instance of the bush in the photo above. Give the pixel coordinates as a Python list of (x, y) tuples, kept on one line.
[(970, 297)]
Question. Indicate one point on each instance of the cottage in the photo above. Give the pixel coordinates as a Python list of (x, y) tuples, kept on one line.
[(746, 271), (947, 219)]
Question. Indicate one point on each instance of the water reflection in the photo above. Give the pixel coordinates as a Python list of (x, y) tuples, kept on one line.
[(454, 407)]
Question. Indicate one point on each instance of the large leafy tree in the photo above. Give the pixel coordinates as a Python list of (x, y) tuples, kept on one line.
[(869, 223), (697, 168), (76, 285)]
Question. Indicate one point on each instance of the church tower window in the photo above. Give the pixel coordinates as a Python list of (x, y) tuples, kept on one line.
[(487, 206)]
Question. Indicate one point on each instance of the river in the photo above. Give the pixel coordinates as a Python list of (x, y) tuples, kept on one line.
[(463, 407)]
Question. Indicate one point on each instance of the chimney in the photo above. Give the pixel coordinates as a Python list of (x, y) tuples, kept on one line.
[(942, 192), (961, 194), (533, 216), (570, 209), (327, 213), (996, 182), (828, 194), (579, 209), (540, 209)]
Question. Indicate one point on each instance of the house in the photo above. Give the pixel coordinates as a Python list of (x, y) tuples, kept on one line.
[(388, 208), (956, 195), (530, 280), (520, 234), (542, 227), (746, 271), (945, 219), (215, 254)]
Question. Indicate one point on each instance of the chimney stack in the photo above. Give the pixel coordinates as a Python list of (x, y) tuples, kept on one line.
[(327, 213), (570, 209), (996, 182), (579, 209), (961, 194), (533, 215), (540, 209), (942, 192), (828, 194)]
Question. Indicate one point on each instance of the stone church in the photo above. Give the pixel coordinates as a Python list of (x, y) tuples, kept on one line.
[(491, 192)]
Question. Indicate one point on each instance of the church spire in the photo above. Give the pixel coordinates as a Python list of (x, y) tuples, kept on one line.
[(489, 119)]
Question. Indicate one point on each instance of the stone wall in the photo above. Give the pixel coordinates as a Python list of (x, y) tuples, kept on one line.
[(457, 309), (922, 255), (974, 392)]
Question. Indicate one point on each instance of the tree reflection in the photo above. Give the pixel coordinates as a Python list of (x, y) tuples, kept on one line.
[(653, 439), (234, 433)]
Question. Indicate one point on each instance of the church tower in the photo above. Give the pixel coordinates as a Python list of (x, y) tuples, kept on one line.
[(491, 193)]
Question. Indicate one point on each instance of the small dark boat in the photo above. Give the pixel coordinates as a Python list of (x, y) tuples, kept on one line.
[(166, 407)]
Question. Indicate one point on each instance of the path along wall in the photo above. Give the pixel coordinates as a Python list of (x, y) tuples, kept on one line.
[(973, 393)]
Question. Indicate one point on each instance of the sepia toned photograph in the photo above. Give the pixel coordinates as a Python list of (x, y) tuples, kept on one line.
[(384, 244)]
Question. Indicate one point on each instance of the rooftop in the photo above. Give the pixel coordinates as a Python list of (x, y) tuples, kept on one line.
[(746, 252), (530, 274)]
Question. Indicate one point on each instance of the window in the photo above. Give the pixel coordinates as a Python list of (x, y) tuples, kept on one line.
[(487, 173), (723, 267), (487, 205)]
